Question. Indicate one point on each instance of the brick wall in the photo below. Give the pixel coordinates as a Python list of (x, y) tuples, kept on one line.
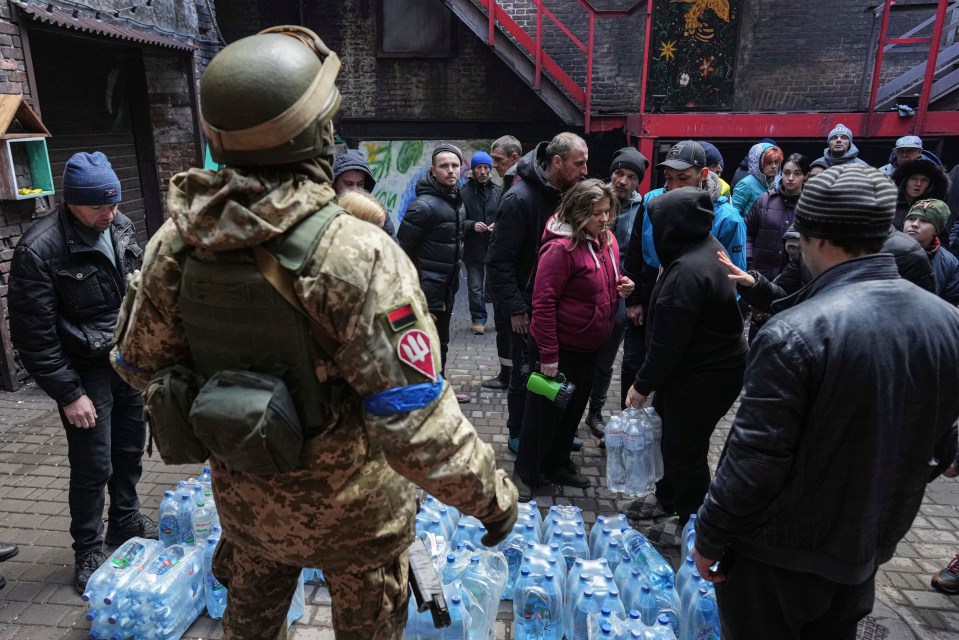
[(168, 77), (472, 84)]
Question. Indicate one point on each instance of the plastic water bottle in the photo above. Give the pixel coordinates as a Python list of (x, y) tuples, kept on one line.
[(572, 544), (206, 482), (615, 469), (634, 458), (689, 535), (469, 531), (614, 553), (537, 608), (459, 628), (513, 548), (649, 452), (587, 605), (168, 520), (657, 571), (185, 519), (656, 424), (531, 508), (168, 594), (690, 589), (202, 522), (685, 571), (701, 621), (564, 516), (114, 576), (215, 592), (182, 489)]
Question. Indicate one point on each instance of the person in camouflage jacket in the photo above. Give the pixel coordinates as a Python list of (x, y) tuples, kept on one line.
[(349, 508)]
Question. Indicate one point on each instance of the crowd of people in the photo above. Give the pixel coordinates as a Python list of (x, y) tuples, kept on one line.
[(577, 269), (345, 329)]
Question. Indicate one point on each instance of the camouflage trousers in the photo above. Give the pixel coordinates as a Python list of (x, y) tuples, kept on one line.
[(367, 605)]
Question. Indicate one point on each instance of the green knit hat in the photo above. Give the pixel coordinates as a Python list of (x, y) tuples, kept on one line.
[(935, 211)]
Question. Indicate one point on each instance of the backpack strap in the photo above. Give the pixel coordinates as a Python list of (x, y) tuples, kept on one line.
[(288, 255)]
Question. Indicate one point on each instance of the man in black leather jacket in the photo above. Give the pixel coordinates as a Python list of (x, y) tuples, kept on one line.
[(543, 175), (67, 281), (848, 410), (432, 233)]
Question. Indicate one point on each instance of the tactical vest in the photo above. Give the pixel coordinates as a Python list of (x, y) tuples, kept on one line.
[(235, 319)]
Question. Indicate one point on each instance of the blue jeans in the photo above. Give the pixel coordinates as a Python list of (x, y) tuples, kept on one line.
[(475, 275), (108, 455)]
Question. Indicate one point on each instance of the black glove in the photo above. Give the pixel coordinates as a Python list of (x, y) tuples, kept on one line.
[(497, 531)]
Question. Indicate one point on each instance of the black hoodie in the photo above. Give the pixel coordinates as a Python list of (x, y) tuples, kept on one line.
[(694, 323), (522, 216), (431, 234)]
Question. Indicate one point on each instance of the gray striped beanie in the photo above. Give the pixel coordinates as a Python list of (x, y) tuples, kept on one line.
[(848, 201)]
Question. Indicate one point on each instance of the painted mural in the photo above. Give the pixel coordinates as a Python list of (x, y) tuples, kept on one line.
[(692, 54), (398, 164)]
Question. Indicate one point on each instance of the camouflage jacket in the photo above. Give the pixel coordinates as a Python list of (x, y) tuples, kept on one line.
[(353, 503)]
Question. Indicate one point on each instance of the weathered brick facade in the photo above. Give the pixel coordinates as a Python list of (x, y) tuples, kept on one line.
[(168, 76), (471, 84)]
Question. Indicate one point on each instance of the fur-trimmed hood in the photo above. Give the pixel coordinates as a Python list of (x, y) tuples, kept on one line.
[(939, 181)]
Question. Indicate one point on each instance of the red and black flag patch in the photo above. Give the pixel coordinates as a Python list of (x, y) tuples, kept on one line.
[(401, 318)]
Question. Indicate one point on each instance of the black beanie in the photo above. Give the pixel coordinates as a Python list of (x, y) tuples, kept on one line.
[(447, 148), (850, 201), (630, 158)]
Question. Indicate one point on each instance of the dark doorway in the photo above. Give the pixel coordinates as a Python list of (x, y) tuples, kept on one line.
[(93, 97)]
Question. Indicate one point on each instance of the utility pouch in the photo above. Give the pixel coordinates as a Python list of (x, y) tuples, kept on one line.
[(249, 422), (167, 403)]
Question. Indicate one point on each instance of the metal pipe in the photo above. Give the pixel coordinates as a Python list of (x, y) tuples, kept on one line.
[(539, 43), (871, 107), (491, 10), (649, 32), (931, 65), (589, 68)]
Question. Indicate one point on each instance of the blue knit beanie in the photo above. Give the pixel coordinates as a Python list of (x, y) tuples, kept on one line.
[(481, 157), (89, 180)]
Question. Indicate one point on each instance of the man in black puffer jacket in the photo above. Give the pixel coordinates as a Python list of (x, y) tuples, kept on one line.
[(829, 455), (542, 176), (68, 278), (431, 234)]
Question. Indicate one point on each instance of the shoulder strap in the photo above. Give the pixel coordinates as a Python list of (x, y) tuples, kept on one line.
[(290, 255)]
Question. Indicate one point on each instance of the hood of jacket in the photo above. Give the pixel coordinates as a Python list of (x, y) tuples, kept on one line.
[(938, 180), (532, 169), (681, 218), (353, 160), (231, 209), (852, 153), (428, 186), (755, 162)]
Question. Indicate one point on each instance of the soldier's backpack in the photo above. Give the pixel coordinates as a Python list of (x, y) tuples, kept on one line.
[(252, 398)]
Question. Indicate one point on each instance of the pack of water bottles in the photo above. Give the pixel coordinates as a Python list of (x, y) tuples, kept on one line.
[(634, 457), (611, 583)]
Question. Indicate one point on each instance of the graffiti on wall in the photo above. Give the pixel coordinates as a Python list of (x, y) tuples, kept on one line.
[(397, 165), (692, 54)]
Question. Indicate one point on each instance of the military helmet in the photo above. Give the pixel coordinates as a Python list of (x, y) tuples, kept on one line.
[(268, 98)]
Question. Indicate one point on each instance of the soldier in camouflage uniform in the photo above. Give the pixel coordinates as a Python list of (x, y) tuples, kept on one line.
[(349, 507)]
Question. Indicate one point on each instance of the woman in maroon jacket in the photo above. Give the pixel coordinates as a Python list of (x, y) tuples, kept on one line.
[(574, 304)]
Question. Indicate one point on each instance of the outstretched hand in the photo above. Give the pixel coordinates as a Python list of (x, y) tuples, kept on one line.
[(736, 274)]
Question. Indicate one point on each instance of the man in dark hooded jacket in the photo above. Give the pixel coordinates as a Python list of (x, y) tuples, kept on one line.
[(431, 234), (351, 171), (695, 354), (543, 174)]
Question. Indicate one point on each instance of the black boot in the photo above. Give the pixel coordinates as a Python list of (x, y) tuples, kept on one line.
[(595, 422), (501, 381)]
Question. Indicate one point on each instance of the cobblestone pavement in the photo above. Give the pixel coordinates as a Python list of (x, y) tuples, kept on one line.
[(39, 602)]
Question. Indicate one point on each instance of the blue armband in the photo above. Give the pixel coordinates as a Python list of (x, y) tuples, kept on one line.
[(403, 399), (129, 367)]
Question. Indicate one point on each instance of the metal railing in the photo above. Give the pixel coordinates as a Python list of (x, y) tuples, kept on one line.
[(533, 45)]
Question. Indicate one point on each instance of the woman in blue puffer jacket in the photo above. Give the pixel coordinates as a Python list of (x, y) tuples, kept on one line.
[(764, 163)]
